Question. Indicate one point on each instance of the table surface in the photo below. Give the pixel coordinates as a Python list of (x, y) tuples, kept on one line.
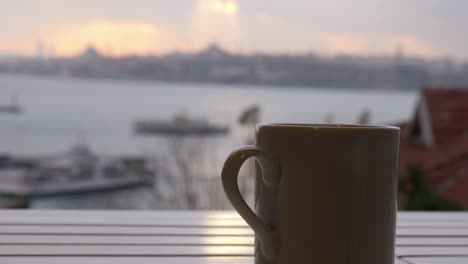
[(195, 237)]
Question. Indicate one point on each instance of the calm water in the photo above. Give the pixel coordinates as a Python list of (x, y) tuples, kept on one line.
[(63, 112), (60, 113)]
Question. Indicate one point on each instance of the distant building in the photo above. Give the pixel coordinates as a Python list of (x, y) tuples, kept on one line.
[(40, 54), (213, 51), (89, 54), (437, 139)]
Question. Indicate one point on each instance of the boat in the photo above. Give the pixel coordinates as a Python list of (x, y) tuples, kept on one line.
[(179, 125), (78, 171), (12, 108)]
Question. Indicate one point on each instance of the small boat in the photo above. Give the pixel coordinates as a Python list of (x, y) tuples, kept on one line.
[(12, 108), (179, 125), (78, 171)]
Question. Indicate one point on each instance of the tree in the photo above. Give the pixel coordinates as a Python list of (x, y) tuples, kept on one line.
[(419, 196), (364, 117), (187, 175), (249, 118)]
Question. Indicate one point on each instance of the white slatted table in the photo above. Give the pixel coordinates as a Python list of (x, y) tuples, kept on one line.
[(183, 237)]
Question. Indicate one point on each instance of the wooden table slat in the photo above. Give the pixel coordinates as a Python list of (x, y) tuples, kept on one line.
[(402, 215), (431, 216), (126, 230), (437, 260), (126, 240), (191, 240), (125, 220), (192, 231), (125, 250), (148, 260), (125, 260), (188, 237), (180, 250), (432, 251), (432, 241), (399, 261), (137, 214), (432, 232), (121, 221)]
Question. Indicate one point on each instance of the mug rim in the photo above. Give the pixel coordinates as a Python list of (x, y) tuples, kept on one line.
[(326, 126)]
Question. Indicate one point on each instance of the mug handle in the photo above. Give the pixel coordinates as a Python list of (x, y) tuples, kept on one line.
[(268, 237)]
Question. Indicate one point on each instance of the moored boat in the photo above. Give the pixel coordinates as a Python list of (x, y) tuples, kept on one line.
[(179, 125)]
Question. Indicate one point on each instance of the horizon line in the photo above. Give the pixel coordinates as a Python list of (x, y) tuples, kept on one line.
[(235, 53)]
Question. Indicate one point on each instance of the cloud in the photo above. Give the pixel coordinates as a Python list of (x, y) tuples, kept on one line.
[(264, 32), (374, 43), (237, 25)]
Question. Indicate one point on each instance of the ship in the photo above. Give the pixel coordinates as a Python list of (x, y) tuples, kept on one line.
[(75, 173), (179, 125), (12, 108)]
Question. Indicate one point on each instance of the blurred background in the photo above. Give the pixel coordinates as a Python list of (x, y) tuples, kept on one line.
[(135, 105)]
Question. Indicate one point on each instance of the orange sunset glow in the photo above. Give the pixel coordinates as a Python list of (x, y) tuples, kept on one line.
[(215, 21), (111, 38), (66, 28), (212, 21), (228, 7), (361, 44)]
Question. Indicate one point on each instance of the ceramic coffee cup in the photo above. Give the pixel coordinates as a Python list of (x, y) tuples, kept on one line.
[(325, 194)]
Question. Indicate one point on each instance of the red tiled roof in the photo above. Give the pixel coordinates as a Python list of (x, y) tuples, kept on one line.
[(430, 158), (448, 111), (447, 160)]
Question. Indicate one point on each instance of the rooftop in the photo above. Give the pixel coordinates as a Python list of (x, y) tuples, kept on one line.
[(437, 139)]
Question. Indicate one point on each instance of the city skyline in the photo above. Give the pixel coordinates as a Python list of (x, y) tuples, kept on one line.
[(120, 28)]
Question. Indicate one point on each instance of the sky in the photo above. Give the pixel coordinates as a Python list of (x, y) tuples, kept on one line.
[(427, 28)]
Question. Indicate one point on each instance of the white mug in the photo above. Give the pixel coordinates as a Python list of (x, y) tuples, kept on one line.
[(325, 194)]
